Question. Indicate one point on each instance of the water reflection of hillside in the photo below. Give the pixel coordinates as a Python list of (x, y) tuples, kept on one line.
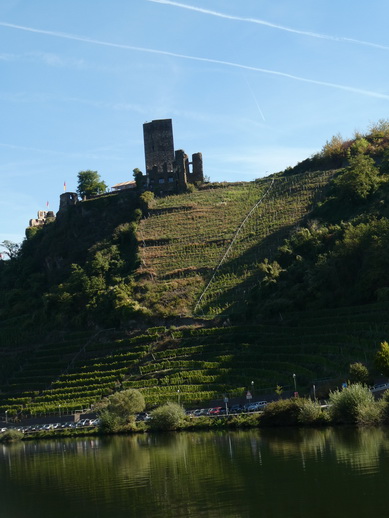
[(360, 448), (206, 474)]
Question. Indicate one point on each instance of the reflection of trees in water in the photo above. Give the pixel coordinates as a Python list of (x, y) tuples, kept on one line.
[(122, 470), (360, 448), (185, 472)]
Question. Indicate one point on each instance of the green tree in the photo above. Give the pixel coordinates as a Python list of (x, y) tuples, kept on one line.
[(138, 177), (381, 360), (359, 180), (334, 147), (167, 417), (90, 184), (359, 373), (359, 147), (11, 249), (279, 391), (126, 404), (352, 405)]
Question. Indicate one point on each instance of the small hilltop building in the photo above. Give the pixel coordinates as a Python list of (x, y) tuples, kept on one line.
[(42, 218)]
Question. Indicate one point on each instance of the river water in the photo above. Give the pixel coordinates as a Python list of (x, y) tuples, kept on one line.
[(288, 473)]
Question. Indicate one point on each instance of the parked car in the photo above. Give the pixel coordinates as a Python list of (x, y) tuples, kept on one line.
[(236, 409), (200, 411), (255, 407), (215, 410), (142, 416)]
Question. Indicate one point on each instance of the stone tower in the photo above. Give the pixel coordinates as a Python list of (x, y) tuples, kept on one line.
[(168, 171), (159, 145)]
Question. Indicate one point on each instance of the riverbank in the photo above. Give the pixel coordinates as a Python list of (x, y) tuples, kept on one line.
[(353, 405)]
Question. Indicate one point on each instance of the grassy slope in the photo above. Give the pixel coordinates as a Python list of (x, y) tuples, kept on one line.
[(198, 258)]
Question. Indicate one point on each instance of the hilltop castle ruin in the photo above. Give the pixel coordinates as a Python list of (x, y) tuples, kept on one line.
[(168, 171)]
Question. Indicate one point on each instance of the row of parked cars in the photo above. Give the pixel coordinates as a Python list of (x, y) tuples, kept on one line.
[(234, 409), (144, 416), (54, 426)]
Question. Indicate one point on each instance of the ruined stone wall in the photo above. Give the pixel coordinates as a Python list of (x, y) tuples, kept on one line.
[(197, 174), (66, 199)]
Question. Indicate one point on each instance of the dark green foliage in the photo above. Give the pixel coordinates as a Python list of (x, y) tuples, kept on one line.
[(381, 360), (385, 407), (126, 403), (354, 404), (11, 436), (109, 422), (138, 177), (359, 373), (12, 250), (167, 417), (359, 180), (79, 269), (284, 412), (328, 266), (90, 184)]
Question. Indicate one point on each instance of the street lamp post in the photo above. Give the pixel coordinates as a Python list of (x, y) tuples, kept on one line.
[(252, 388), (295, 386), (178, 395), (6, 416)]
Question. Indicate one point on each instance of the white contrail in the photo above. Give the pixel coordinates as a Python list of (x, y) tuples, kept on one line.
[(85, 39), (255, 100), (270, 24)]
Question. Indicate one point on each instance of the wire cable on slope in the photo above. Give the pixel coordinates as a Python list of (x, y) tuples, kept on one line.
[(241, 226)]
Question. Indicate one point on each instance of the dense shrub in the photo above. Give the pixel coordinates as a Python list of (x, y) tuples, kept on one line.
[(311, 413), (370, 413), (284, 412), (109, 422), (167, 417), (294, 411), (353, 405), (11, 436)]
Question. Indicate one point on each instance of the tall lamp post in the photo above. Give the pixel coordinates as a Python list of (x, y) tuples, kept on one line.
[(6, 416), (178, 396), (295, 386), (252, 388)]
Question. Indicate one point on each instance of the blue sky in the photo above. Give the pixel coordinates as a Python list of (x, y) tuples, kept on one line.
[(255, 86)]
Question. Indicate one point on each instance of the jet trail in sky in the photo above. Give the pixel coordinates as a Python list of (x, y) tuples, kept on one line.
[(269, 24), (85, 39), (255, 100)]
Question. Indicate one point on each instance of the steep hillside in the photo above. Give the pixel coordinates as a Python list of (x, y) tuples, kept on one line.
[(200, 252), (203, 294)]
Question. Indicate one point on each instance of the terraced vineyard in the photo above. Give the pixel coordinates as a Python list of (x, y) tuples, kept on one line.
[(200, 251), (195, 364), (199, 258)]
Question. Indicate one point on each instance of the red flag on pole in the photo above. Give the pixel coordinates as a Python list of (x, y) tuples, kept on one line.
[(64, 186)]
